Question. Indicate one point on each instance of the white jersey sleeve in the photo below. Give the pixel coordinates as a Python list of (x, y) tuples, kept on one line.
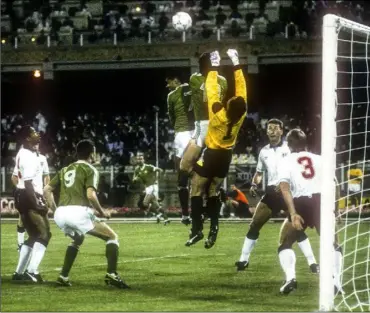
[(44, 163), (261, 167)]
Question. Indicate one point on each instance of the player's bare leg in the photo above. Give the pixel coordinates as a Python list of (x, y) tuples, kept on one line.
[(103, 231), (191, 155), (20, 232), (213, 210), (260, 217), (198, 184), (288, 235)]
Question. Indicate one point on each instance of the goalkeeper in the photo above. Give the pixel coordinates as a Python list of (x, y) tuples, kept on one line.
[(224, 125)]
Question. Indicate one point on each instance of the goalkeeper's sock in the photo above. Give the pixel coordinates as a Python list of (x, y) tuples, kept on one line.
[(306, 248), (338, 265), (111, 252), (24, 257), (287, 262), (71, 254), (36, 258), (247, 249), (20, 235)]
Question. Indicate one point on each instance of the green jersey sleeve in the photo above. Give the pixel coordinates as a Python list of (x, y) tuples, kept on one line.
[(92, 178)]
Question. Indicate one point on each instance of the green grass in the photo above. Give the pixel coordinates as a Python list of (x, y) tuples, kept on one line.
[(163, 273)]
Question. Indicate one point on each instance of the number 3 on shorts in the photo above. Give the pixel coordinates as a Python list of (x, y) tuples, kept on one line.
[(69, 178)]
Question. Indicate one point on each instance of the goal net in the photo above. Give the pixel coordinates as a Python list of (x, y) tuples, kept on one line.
[(345, 148)]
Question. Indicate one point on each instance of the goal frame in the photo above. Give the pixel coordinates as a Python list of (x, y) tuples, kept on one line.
[(332, 24)]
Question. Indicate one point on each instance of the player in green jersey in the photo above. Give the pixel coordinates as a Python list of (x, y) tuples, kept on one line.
[(182, 119), (147, 175), (78, 183), (200, 106)]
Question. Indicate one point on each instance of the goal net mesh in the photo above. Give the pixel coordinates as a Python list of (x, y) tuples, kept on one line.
[(353, 165)]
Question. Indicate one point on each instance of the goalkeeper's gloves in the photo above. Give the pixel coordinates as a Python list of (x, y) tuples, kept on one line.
[(215, 58), (233, 55)]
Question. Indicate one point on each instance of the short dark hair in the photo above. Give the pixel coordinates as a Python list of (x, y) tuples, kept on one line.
[(276, 121), (84, 149), (27, 134), (173, 77), (204, 63), (297, 140)]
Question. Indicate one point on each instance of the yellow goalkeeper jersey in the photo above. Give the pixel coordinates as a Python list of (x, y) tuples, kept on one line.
[(221, 132)]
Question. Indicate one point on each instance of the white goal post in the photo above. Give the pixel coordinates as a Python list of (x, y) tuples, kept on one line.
[(338, 85)]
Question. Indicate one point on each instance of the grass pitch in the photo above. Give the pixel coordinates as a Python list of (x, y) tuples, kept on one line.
[(163, 273)]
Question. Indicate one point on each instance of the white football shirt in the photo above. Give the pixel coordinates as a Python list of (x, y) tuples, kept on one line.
[(269, 159), (302, 171), (30, 166)]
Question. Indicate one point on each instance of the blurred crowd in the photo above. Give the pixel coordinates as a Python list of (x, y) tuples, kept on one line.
[(64, 21), (119, 137)]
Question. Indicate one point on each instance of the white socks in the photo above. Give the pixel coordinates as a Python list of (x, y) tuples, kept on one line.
[(37, 256), (306, 248), (247, 249), (287, 262), (24, 258)]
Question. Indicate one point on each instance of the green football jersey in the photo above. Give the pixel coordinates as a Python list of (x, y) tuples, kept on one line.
[(145, 174), (199, 95), (179, 110), (73, 181)]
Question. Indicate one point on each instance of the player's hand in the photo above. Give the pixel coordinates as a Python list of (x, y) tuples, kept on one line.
[(297, 221), (233, 55), (253, 190), (105, 214), (215, 58)]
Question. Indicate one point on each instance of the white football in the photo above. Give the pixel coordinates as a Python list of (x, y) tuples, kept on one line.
[(181, 21)]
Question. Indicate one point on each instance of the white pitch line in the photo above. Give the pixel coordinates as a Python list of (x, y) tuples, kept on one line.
[(145, 259)]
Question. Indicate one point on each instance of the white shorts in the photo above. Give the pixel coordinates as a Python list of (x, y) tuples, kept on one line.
[(181, 141), (354, 188), (73, 219), (200, 132), (152, 190)]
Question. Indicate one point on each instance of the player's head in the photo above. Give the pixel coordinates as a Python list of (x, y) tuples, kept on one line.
[(140, 158), (29, 137), (235, 108), (275, 128), (85, 150), (173, 82), (233, 187), (297, 140), (204, 63)]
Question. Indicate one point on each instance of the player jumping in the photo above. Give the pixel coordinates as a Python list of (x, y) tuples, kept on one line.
[(199, 103), (224, 125), (78, 184), (147, 175), (272, 202), (182, 119), (30, 203), (299, 180)]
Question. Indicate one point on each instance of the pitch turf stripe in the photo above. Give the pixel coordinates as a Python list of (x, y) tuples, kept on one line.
[(146, 259)]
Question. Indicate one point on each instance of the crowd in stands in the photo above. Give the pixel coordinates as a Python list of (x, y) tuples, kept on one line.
[(119, 137), (63, 21)]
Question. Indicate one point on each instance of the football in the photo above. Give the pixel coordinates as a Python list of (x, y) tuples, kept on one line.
[(181, 21)]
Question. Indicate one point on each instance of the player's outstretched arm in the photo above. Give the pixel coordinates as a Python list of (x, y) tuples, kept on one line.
[(15, 180), (49, 197), (297, 220), (170, 109), (240, 84), (212, 87), (93, 198)]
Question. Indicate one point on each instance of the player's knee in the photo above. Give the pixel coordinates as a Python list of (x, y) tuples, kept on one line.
[(301, 236), (284, 246), (183, 179), (78, 241), (112, 236), (186, 166), (20, 229), (253, 232)]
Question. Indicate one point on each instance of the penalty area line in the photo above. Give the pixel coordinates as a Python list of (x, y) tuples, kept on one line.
[(144, 260)]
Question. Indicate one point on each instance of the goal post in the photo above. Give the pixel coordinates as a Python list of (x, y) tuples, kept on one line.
[(345, 134)]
